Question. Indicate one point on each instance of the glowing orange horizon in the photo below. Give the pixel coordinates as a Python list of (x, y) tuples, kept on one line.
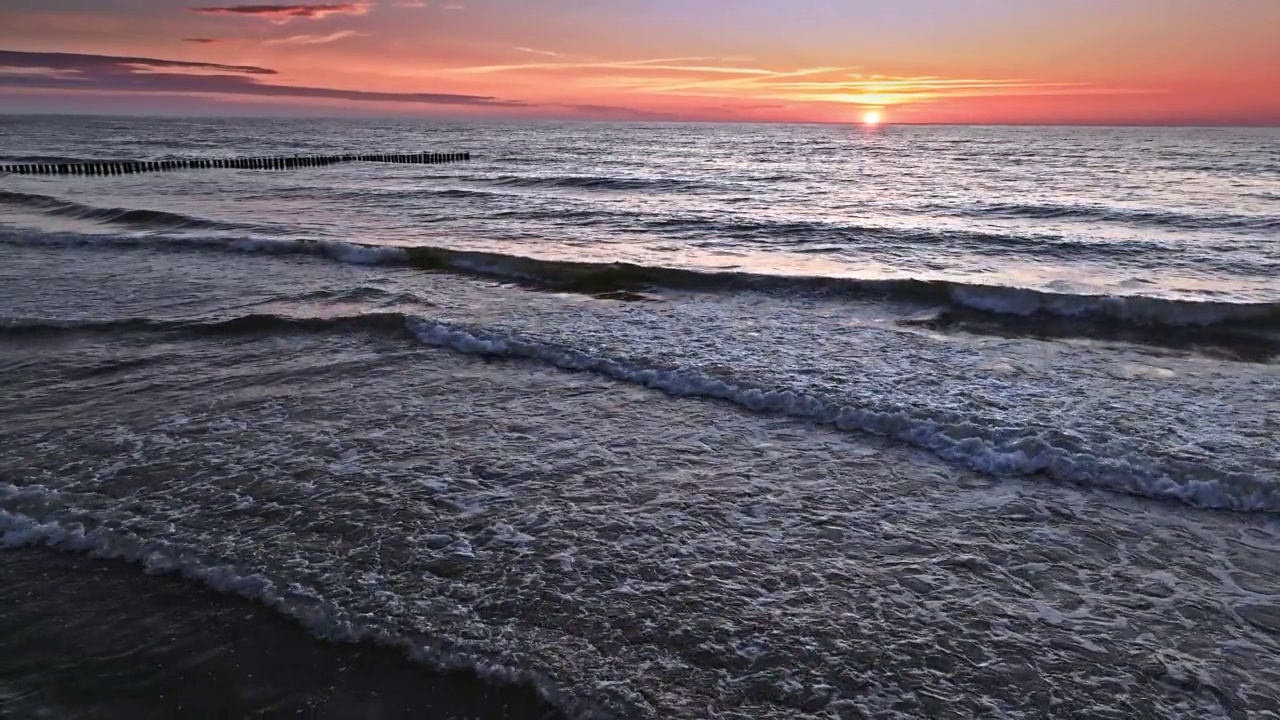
[(1007, 63)]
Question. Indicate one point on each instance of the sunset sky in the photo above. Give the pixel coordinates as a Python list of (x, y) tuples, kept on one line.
[(968, 61)]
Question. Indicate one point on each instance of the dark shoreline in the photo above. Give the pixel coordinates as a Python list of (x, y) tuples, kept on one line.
[(83, 637)]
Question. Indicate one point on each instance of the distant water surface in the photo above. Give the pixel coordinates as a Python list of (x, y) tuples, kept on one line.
[(1188, 213)]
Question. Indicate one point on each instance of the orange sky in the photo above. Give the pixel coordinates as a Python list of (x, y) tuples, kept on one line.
[(979, 61)]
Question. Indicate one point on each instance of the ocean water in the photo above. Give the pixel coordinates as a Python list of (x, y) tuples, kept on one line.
[(658, 420)]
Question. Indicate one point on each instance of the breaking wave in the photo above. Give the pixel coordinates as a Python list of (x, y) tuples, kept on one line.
[(144, 219), (604, 278), (981, 443)]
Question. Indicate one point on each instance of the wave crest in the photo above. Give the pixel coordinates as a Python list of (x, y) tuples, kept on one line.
[(147, 219), (587, 182), (980, 444), (236, 325), (1130, 216), (600, 278)]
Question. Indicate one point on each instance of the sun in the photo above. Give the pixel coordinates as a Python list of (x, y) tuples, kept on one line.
[(871, 117)]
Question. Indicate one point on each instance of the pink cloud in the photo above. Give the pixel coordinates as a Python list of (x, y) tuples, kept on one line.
[(313, 39), (286, 13)]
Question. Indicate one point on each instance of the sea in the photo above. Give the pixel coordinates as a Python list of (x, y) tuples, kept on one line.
[(641, 420)]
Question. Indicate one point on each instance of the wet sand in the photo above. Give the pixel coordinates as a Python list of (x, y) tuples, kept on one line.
[(86, 638)]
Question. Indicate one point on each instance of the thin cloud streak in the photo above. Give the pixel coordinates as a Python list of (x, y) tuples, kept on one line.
[(703, 78), (313, 39), (37, 72), (671, 64), (737, 82), (614, 112), (872, 91), (532, 51), (286, 13)]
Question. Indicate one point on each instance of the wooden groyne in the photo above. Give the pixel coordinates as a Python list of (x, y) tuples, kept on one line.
[(243, 163)]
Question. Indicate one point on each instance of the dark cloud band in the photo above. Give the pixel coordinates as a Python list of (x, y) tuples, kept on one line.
[(286, 12), (70, 71)]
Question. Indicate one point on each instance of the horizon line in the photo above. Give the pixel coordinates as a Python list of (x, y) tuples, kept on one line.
[(637, 121)]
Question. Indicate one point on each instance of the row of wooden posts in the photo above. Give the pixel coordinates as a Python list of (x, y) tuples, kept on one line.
[(251, 163)]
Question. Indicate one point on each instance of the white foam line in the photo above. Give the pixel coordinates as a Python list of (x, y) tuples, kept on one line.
[(319, 617), (351, 253), (966, 444), (1024, 302)]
